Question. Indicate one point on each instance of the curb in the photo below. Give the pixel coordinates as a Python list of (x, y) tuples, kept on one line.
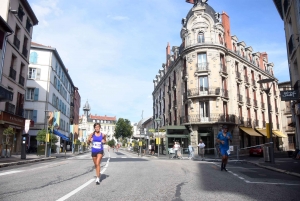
[(25, 162), (274, 169)]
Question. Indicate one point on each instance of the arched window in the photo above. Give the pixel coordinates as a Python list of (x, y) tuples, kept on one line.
[(33, 58), (200, 37), (220, 39)]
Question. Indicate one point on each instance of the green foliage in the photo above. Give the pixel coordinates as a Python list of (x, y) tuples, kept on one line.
[(77, 142), (8, 132), (111, 143), (41, 137), (123, 128)]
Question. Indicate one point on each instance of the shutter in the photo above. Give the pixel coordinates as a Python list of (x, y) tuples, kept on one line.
[(34, 116), (36, 94), (38, 73), (58, 85)]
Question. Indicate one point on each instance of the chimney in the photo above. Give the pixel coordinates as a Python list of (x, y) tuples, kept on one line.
[(227, 35), (168, 52), (190, 1)]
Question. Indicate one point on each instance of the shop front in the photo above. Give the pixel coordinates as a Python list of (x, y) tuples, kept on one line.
[(13, 145)]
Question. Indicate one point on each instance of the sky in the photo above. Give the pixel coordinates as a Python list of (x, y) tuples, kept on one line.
[(114, 49)]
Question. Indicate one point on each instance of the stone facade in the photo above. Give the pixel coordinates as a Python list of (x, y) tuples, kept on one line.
[(211, 80)]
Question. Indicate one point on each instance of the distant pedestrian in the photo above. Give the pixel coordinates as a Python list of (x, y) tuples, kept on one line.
[(97, 139), (144, 149), (152, 149), (201, 146), (191, 151), (224, 137), (176, 148)]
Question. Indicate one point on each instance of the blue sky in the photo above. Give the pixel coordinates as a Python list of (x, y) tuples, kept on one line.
[(114, 49)]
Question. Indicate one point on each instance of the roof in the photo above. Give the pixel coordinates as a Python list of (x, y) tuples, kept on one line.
[(208, 9), (103, 118), (279, 7), (37, 44), (5, 26), (30, 12)]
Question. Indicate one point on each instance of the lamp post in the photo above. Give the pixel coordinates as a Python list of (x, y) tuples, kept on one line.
[(157, 120), (267, 91), (46, 118)]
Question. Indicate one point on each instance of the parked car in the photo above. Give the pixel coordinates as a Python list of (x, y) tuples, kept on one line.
[(256, 151)]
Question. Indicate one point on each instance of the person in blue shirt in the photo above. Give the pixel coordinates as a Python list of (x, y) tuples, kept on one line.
[(223, 139), (97, 139)]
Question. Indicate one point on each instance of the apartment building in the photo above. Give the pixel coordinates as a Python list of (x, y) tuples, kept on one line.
[(287, 117), (49, 88), (289, 11), (210, 80), (21, 18), (87, 121)]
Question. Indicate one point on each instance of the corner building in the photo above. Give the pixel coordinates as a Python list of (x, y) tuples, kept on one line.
[(210, 80)]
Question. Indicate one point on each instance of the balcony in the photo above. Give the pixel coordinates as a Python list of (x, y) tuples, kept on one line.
[(276, 110), (10, 108), (238, 76), (12, 73), (289, 129), (254, 84), (240, 98), (263, 106), (255, 103), (210, 118), (25, 51), (202, 66), (224, 93), (204, 92), (248, 101), (255, 123), (278, 126), (287, 110), (175, 103), (223, 69), (21, 80), (241, 120), (16, 42), (246, 80), (248, 123), (20, 112), (264, 124)]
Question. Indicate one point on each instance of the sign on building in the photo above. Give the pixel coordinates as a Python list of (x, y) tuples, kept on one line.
[(289, 95)]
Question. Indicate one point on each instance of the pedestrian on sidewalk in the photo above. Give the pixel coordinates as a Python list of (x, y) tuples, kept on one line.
[(191, 151), (144, 148), (176, 148), (97, 139), (201, 146), (223, 138), (152, 149)]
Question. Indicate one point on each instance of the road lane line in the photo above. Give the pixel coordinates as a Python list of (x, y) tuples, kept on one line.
[(83, 186), (10, 172)]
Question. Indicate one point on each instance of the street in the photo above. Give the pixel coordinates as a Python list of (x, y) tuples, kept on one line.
[(125, 176)]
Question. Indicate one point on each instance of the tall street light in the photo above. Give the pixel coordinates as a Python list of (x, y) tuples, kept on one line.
[(47, 134), (267, 89), (157, 120)]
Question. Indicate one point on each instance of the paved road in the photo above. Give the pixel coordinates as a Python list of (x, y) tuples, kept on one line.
[(127, 177)]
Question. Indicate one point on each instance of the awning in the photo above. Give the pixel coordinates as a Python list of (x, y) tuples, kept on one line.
[(262, 131), (250, 131), (279, 133), (276, 132), (61, 135)]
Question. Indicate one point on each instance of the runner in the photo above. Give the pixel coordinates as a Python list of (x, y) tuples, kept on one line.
[(223, 138), (97, 139)]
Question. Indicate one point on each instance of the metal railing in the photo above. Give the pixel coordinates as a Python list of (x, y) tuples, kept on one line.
[(205, 92), (12, 73), (212, 117), (223, 68), (204, 66), (240, 97)]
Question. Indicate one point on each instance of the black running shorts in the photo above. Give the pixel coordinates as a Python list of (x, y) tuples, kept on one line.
[(94, 154)]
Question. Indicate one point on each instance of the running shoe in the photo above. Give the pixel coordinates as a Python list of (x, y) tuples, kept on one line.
[(97, 181)]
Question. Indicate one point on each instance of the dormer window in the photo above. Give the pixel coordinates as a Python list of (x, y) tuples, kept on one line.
[(200, 37)]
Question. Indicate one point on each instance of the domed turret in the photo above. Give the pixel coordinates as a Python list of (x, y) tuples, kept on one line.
[(86, 108)]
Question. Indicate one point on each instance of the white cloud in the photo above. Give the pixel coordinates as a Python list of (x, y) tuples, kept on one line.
[(118, 17)]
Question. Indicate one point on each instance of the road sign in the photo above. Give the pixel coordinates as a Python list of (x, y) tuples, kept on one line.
[(289, 95)]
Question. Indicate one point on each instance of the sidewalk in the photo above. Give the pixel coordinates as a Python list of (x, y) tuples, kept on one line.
[(32, 158)]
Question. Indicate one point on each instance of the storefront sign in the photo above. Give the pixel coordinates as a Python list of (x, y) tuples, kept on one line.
[(289, 95), (12, 119)]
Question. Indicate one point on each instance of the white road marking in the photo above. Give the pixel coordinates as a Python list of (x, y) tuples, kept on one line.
[(123, 157), (83, 186), (10, 172), (250, 182)]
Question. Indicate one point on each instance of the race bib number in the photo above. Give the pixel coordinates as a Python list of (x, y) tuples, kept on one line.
[(97, 145)]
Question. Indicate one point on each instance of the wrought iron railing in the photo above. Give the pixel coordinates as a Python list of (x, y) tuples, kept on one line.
[(12, 73), (212, 117)]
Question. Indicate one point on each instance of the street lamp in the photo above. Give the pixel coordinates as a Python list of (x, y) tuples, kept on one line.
[(47, 115), (157, 120), (267, 89)]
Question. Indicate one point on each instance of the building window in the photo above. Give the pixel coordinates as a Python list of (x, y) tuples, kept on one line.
[(200, 37), (204, 111), (33, 58), (20, 13), (30, 94), (54, 100), (32, 73), (203, 85), (202, 62), (28, 114)]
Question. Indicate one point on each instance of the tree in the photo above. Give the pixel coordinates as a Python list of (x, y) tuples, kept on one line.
[(41, 137), (123, 128), (8, 132), (111, 143)]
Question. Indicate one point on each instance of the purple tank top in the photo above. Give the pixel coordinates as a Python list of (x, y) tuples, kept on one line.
[(97, 143)]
